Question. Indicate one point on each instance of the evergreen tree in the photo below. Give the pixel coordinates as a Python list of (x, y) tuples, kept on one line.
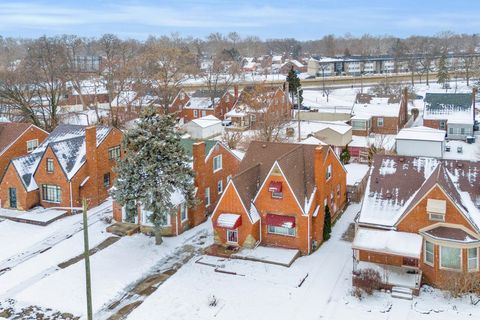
[(345, 155), (294, 84), (155, 166), (442, 76), (327, 225)]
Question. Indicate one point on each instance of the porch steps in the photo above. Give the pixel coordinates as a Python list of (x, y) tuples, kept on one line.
[(402, 293)]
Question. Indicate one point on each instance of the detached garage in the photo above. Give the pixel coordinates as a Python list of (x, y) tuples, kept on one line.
[(204, 128), (420, 141)]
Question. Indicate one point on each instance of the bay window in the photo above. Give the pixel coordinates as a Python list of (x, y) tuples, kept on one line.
[(450, 258)]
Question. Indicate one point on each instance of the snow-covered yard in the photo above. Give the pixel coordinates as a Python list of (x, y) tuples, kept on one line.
[(265, 291)]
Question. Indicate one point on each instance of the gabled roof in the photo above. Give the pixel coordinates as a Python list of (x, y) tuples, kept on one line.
[(397, 183), (296, 161), (187, 144), (9, 132), (67, 143)]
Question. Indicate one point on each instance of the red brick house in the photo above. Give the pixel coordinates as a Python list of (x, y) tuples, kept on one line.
[(383, 115), (73, 163), (199, 104), (279, 196), (214, 164), (420, 221), (18, 139), (292, 63), (255, 105)]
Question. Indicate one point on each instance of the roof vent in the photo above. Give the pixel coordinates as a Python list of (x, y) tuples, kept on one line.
[(376, 180), (401, 159), (459, 164), (264, 145), (388, 195)]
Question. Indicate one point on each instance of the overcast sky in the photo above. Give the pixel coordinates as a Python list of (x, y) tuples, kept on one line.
[(267, 19)]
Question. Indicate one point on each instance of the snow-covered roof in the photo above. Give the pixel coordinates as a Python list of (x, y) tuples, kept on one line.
[(378, 107), (313, 140), (421, 133), (25, 167), (227, 220), (201, 103), (207, 121), (356, 172), (91, 87), (397, 183), (456, 108), (392, 242)]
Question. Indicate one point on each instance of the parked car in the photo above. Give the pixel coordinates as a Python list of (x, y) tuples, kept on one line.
[(227, 122)]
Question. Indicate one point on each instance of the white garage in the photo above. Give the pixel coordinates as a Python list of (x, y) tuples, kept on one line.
[(420, 141), (204, 127)]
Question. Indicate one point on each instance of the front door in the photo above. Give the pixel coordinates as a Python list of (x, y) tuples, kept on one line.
[(12, 193)]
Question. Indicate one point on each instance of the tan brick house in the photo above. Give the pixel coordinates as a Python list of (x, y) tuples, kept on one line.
[(214, 164), (278, 198), (73, 163), (420, 221)]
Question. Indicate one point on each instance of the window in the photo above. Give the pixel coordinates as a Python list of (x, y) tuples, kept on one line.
[(329, 172), (220, 186), (428, 253), (282, 231), (182, 95), (379, 122), (451, 258), (359, 125), (227, 98), (277, 195), (436, 216), (106, 179), (442, 124), (183, 212), (338, 190), (217, 163), (50, 165), (436, 209), (473, 259), (450, 130), (195, 113), (114, 153), (207, 196), (232, 236), (51, 193), (32, 145), (204, 113)]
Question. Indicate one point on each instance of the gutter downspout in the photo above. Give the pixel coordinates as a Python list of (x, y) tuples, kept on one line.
[(71, 197), (176, 223), (308, 234)]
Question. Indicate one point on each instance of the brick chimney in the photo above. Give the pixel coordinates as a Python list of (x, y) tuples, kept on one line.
[(404, 100), (92, 165), (198, 213), (235, 92)]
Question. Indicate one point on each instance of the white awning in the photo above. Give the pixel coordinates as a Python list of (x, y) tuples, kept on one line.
[(436, 206), (229, 220), (390, 242)]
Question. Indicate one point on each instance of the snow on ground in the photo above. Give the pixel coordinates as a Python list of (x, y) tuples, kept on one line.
[(269, 254), (356, 172), (112, 269), (265, 291), (42, 265), (468, 151)]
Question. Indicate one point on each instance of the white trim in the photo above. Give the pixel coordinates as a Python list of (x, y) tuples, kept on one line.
[(13, 142), (30, 151), (284, 178), (221, 163), (425, 253), (224, 147), (236, 231), (476, 258), (209, 197), (239, 198)]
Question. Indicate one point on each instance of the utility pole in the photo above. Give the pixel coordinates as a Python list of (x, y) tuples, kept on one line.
[(87, 261), (298, 113)]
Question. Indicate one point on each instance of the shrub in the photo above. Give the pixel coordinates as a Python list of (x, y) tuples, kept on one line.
[(369, 280), (459, 284)]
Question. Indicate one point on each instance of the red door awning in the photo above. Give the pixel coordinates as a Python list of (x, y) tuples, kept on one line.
[(275, 186), (229, 221), (280, 221)]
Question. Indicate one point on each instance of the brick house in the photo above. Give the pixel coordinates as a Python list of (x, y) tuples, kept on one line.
[(279, 196), (452, 112), (383, 115), (214, 164), (18, 139), (199, 104), (420, 221), (273, 101), (73, 163), (292, 63)]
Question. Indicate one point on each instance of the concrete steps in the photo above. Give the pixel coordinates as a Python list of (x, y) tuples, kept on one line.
[(402, 293)]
